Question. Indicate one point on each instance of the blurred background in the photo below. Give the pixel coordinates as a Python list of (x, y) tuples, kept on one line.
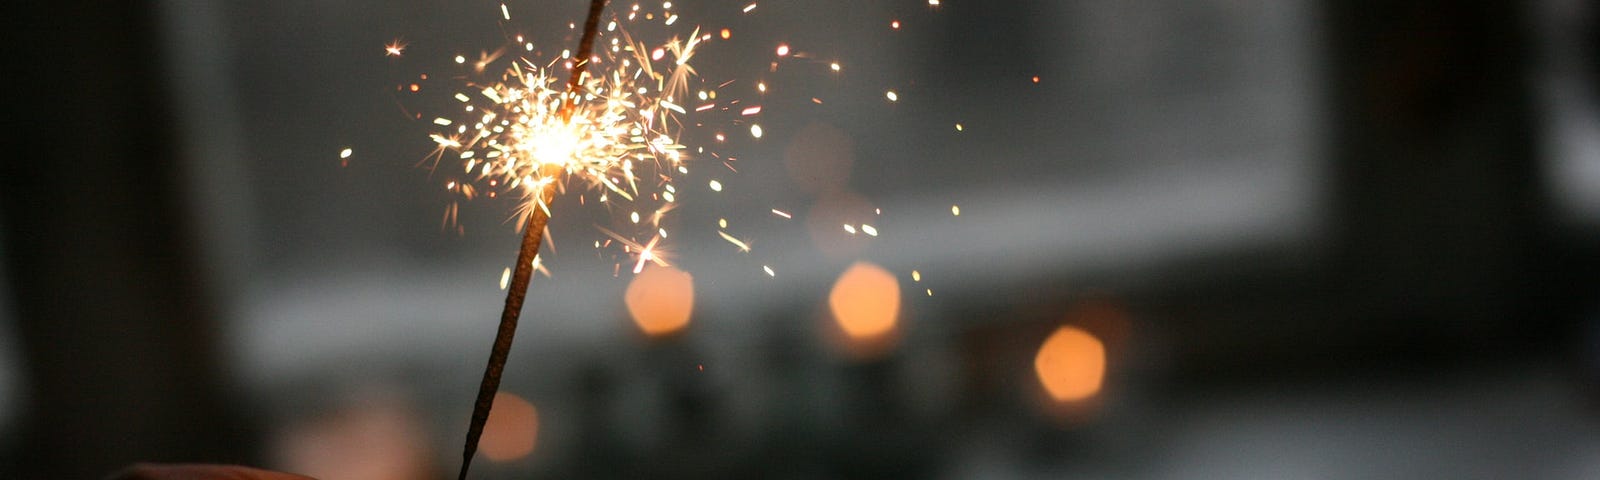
[(1153, 239)]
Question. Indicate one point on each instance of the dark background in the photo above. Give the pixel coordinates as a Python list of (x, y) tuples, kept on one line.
[(1318, 240)]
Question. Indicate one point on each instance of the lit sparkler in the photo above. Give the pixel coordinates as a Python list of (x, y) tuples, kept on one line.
[(604, 120), (609, 129)]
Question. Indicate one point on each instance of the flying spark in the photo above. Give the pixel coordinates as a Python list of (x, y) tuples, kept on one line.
[(394, 48)]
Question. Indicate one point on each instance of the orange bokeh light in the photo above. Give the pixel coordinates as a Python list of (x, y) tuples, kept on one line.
[(660, 300), (512, 430), (1071, 364), (865, 301), (375, 436)]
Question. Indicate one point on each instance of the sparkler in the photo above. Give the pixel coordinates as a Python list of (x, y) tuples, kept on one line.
[(538, 216), (609, 125)]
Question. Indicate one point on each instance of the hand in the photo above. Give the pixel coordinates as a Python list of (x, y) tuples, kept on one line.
[(150, 471)]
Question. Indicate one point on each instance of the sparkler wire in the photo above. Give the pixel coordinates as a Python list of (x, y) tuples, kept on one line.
[(532, 237)]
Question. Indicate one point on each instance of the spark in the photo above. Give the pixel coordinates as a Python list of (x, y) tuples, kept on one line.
[(916, 276), (834, 66), (346, 153), (959, 127), (893, 97), (782, 213), (505, 278), (783, 49), (394, 48), (748, 111), (869, 230), (755, 131), (769, 271), (743, 247), (955, 210), (649, 252), (748, 8), (507, 14), (716, 186), (538, 263)]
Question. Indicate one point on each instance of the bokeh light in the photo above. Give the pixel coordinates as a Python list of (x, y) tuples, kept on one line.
[(512, 431), (373, 437), (1071, 364), (865, 301), (660, 300)]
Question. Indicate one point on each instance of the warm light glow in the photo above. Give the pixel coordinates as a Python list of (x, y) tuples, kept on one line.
[(865, 301), (660, 300), (512, 431), (526, 135), (371, 436), (1071, 364)]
